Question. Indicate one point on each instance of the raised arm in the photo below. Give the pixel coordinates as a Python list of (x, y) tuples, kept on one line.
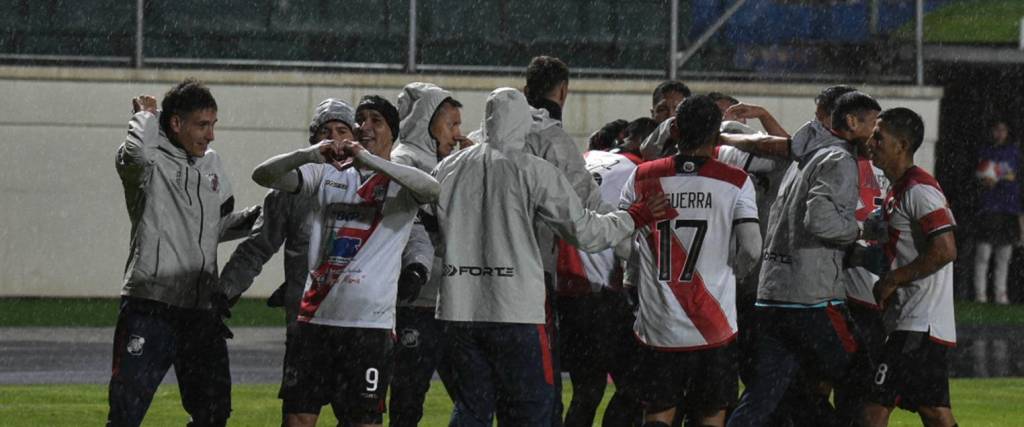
[(143, 133), (760, 145), (743, 111), (424, 187), (279, 172)]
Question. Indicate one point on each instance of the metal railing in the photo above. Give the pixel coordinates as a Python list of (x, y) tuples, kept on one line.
[(676, 59)]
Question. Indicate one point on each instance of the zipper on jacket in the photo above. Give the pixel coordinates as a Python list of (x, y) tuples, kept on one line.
[(187, 194), (202, 225)]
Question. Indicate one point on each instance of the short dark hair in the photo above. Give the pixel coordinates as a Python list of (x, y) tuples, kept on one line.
[(450, 101), (905, 124), (856, 103), (608, 136), (669, 86), (641, 128), (184, 98), (719, 96), (828, 96), (698, 119), (543, 75)]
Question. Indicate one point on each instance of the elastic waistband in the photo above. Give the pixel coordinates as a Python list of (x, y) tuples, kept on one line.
[(779, 304)]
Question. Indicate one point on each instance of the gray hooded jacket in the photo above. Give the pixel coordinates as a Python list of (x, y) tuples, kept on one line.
[(550, 142), (492, 194), (811, 221), (417, 104), (180, 207)]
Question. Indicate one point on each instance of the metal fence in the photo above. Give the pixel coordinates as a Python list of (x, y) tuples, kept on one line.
[(863, 40)]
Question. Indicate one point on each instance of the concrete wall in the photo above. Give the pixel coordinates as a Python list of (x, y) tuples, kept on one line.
[(63, 225)]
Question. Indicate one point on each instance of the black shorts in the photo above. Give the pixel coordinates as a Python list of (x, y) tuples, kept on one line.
[(347, 367), (595, 332), (703, 380), (913, 372)]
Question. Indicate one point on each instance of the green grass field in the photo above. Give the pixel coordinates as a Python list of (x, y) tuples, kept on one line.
[(976, 402), (971, 21), (253, 312)]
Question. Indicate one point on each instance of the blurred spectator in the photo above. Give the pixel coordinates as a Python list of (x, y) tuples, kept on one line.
[(999, 214)]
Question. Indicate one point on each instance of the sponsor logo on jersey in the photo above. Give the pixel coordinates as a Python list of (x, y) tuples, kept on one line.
[(475, 271), (336, 184), (135, 344)]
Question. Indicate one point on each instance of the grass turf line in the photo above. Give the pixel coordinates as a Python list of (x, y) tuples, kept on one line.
[(254, 312), (976, 402)]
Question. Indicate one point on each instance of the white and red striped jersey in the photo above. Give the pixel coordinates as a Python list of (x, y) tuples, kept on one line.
[(361, 222), (686, 283), (873, 187), (580, 272), (916, 210)]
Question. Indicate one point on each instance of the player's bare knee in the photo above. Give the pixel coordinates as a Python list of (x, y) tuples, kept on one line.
[(300, 420)]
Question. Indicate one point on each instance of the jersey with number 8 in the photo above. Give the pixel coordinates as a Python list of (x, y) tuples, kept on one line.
[(686, 283)]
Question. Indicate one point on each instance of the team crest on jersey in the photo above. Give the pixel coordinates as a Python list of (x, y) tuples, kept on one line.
[(689, 167), (410, 338), (214, 182), (597, 178), (135, 344)]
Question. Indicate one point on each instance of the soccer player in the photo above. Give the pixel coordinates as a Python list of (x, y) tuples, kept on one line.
[(363, 209), (493, 292), (430, 130), (594, 315), (180, 204), (665, 99), (913, 372), (687, 317), (286, 220), (802, 319)]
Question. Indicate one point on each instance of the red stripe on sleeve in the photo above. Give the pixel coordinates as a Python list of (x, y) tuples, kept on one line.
[(935, 220)]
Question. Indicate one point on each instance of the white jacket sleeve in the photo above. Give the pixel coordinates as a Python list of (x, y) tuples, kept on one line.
[(558, 206), (143, 136)]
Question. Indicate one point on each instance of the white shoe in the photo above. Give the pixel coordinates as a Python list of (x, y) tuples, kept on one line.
[(1002, 299)]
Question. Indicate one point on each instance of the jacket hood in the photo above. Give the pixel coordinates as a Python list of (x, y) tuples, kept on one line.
[(506, 120), (542, 120), (416, 106), (813, 136)]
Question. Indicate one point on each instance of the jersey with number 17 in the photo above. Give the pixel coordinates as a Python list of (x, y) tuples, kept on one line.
[(686, 284)]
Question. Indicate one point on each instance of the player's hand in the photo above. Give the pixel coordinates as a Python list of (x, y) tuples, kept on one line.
[(649, 210), (884, 290), (336, 153), (412, 279), (741, 112), (464, 142), (876, 227), (276, 298), (144, 103)]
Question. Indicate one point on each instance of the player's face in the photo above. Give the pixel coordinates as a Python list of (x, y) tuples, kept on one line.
[(334, 130), (194, 131), (883, 147), (861, 127), (667, 106), (374, 133), (445, 129)]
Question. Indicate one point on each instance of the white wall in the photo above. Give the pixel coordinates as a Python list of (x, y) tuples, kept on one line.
[(63, 225)]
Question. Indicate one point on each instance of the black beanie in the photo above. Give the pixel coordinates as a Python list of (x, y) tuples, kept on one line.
[(382, 106)]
